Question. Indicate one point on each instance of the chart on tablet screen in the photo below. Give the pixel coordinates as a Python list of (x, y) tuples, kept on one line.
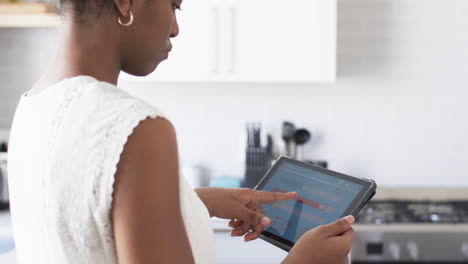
[(321, 199)]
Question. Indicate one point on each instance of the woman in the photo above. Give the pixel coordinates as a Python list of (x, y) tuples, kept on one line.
[(94, 171)]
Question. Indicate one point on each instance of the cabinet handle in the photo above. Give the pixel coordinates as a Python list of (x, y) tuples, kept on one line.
[(215, 16)]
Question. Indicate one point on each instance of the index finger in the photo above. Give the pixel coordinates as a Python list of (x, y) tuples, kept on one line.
[(268, 197)]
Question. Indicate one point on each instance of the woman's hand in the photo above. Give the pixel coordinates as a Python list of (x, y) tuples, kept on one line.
[(326, 244), (242, 206)]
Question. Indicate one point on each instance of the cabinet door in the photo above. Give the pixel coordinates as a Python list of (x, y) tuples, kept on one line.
[(285, 41), (194, 56)]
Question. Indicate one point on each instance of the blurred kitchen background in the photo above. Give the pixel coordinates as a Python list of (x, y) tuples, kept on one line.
[(380, 85)]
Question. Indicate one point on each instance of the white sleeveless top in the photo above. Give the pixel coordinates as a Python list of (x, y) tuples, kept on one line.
[(64, 148)]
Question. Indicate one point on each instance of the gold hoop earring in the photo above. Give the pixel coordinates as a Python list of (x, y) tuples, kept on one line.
[(130, 21)]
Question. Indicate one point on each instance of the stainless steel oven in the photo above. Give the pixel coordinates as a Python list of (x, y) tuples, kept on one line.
[(413, 225)]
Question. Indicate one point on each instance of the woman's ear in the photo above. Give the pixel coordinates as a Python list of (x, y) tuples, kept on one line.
[(123, 7)]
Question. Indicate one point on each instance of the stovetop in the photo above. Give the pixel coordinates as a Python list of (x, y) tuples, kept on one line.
[(414, 212)]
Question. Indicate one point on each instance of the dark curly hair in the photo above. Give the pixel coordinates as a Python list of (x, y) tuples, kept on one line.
[(82, 9)]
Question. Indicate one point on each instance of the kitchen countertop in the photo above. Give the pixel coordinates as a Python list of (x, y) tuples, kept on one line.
[(422, 193), (220, 225)]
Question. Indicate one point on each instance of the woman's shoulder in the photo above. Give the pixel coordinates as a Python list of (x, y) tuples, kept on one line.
[(103, 102), (110, 95)]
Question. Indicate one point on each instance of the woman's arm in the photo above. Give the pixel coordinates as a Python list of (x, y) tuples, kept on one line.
[(146, 212), (322, 245), (243, 206)]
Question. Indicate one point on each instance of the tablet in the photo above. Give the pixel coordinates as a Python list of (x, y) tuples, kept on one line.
[(324, 196)]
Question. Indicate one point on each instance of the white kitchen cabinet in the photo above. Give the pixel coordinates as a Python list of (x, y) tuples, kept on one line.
[(252, 41), (284, 41)]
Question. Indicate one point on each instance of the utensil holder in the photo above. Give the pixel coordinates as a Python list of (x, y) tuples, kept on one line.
[(257, 162)]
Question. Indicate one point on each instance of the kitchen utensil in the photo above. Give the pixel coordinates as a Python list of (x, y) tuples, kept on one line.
[(257, 131), (249, 135), (269, 147), (3, 147), (301, 136), (258, 157), (253, 134), (288, 136), (4, 195)]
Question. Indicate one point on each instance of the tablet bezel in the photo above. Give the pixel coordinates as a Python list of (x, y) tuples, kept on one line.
[(364, 195)]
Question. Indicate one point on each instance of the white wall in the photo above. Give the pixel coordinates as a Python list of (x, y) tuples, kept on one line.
[(398, 113)]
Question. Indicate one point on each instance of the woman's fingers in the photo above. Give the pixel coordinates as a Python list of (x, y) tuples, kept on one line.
[(254, 226), (251, 236), (256, 229), (253, 216), (235, 223), (241, 230), (268, 197), (250, 218), (250, 232)]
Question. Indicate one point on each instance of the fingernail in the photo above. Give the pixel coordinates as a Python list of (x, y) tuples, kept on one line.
[(350, 219), (265, 221)]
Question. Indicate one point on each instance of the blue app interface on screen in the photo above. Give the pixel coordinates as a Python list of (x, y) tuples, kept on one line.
[(322, 199)]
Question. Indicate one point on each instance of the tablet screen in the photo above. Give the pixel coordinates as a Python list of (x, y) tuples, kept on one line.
[(322, 199)]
